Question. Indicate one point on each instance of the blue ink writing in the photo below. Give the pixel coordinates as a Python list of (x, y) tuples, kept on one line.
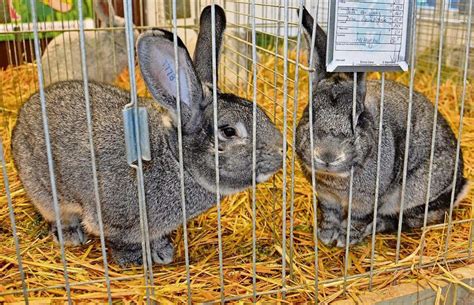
[(169, 70)]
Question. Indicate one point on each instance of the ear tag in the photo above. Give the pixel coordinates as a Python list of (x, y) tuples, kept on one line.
[(130, 134)]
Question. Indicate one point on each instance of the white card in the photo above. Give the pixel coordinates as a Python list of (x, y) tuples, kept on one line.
[(368, 35)]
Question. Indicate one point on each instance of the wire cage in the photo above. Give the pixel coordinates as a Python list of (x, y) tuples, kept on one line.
[(257, 245)]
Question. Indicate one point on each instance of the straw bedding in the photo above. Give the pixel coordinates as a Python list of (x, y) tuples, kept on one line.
[(42, 260)]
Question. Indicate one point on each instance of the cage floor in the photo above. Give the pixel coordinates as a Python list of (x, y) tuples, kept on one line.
[(42, 260)]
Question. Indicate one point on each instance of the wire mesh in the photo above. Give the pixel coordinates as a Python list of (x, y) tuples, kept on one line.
[(250, 258)]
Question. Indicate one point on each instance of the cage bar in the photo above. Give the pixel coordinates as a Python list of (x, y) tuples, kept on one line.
[(351, 185), (312, 76), (180, 153), (49, 150), (460, 128), (377, 180), (146, 251), (254, 155), (92, 151)]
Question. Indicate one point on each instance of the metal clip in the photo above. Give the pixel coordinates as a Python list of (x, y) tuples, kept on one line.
[(130, 139)]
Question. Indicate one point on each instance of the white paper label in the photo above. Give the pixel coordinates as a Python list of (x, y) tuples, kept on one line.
[(370, 33)]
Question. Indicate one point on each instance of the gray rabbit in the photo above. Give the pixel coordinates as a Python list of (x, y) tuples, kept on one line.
[(106, 50), (117, 180), (338, 145)]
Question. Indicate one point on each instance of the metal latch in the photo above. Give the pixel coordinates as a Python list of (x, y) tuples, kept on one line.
[(130, 134)]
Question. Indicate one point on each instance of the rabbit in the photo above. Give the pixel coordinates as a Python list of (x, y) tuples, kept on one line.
[(340, 145), (116, 179), (106, 50)]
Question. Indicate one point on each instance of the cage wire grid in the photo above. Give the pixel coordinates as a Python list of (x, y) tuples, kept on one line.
[(266, 60)]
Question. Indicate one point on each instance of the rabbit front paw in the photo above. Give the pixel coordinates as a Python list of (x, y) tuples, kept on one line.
[(357, 234), (328, 235), (73, 234), (127, 254), (328, 232), (162, 251)]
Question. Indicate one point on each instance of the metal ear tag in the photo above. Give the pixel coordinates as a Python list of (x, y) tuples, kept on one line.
[(130, 134)]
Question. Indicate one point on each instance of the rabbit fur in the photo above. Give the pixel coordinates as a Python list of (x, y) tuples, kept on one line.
[(338, 145), (106, 50), (116, 179)]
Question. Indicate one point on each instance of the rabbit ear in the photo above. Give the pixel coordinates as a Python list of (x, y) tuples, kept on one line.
[(361, 85), (203, 52), (106, 13), (319, 57), (156, 56)]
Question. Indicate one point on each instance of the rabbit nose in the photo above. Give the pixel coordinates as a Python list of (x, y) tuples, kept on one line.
[(327, 157)]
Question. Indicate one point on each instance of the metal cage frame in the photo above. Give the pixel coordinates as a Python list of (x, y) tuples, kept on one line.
[(249, 21)]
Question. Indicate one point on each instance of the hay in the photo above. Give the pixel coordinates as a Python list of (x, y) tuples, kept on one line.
[(42, 260)]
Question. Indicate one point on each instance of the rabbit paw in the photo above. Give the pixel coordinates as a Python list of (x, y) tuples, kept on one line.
[(73, 234), (357, 234), (127, 254), (162, 251), (328, 235)]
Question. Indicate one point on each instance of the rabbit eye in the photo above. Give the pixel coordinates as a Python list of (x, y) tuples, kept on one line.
[(227, 132)]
